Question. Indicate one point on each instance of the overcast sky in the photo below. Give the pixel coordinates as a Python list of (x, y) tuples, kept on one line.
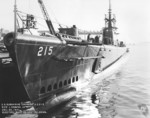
[(133, 16)]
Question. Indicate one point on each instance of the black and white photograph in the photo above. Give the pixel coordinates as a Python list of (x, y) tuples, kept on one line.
[(74, 59)]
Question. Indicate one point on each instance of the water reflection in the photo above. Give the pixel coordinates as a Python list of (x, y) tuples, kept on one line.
[(97, 101)]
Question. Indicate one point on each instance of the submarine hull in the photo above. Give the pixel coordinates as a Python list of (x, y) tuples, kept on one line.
[(49, 69)]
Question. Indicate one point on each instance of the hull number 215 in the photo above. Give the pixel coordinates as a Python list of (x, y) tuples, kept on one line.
[(45, 50)]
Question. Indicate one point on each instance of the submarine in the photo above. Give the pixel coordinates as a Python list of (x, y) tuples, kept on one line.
[(50, 68)]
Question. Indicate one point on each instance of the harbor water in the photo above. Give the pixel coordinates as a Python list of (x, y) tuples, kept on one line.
[(125, 94)]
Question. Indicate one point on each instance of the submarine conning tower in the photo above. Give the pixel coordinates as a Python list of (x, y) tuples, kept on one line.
[(110, 21)]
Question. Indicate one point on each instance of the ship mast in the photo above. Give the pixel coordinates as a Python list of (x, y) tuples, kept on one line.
[(109, 18), (15, 19), (109, 27)]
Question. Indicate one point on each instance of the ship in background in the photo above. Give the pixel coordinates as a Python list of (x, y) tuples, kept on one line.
[(52, 68)]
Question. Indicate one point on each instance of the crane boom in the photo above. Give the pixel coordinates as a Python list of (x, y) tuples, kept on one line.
[(46, 17)]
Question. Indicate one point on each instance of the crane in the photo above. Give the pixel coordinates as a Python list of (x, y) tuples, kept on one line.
[(46, 17)]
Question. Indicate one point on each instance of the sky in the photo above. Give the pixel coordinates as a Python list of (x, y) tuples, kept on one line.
[(133, 16)]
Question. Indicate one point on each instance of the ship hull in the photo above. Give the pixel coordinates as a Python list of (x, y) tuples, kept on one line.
[(52, 71)]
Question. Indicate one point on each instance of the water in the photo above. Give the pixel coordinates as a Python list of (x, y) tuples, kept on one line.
[(126, 94)]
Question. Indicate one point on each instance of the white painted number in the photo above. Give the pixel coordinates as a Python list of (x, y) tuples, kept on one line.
[(40, 51), (50, 50), (45, 50)]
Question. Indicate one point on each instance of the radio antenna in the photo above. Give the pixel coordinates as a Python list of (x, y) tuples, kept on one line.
[(15, 18), (110, 6)]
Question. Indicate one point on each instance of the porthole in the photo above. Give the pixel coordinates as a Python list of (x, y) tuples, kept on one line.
[(60, 84), (76, 78), (55, 86), (73, 79), (65, 82), (49, 88), (42, 90), (69, 81)]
